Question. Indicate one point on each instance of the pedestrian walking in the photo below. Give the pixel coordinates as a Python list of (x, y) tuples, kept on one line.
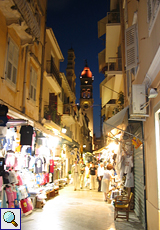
[(82, 173), (75, 171), (93, 176), (106, 182), (100, 176), (87, 180)]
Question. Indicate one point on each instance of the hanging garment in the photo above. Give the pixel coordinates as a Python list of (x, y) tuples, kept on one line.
[(129, 183), (2, 162), (51, 166), (26, 132), (3, 120), (10, 196), (38, 165), (128, 164), (10, 159), (26, 205), (19, 179), (4, 199), (12, 177)]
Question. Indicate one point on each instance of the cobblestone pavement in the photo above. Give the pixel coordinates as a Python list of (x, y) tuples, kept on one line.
[(78, 210)]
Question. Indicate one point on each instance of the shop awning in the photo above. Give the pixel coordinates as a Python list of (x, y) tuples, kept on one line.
[(99, 150), (43, 129), (16, 122), (66, 137), (51, 125), (115, 121)]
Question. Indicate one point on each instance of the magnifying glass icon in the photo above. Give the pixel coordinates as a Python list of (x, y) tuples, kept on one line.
[(9, 217)]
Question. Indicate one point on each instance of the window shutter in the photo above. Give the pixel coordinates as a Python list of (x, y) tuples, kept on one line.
[(131, 47), (10, 51), (149, 10), (15, 57), (30, 93)]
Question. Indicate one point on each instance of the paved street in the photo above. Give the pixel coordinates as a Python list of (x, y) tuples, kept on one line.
[(78, 210)]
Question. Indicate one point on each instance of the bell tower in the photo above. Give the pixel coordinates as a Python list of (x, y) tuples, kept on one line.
[(86, 95), (70, 72)]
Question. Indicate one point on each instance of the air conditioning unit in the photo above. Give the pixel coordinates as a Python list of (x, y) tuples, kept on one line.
[(138, 109)]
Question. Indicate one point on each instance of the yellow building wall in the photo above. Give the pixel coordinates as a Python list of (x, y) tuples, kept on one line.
[(148, 46), (13, 96)]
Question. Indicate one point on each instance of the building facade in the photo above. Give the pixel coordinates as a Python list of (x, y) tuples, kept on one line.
[(137, 25)]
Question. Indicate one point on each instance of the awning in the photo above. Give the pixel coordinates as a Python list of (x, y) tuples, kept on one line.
[(16, 122), (115, 121), (99, 150), (66, 137), (51, 125)]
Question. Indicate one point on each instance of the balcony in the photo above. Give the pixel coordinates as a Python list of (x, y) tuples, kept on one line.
[(27, 28), (52, 118), (53, 76), (113, 17), (110, 25), (102, 61), (114, 66), (68, 117)]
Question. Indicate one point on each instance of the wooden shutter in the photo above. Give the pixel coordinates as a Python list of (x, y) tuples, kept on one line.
[(149, 10), (131, 47)]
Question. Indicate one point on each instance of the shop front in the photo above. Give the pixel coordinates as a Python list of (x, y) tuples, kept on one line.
[(125, 151), (27, 163)]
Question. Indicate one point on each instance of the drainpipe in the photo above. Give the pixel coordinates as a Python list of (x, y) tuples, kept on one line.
[(144, 173), (42, 66), (25, 79)]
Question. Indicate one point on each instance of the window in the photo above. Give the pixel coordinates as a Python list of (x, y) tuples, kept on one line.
[(153, 7), (12, 62), (131, 48), (33, 84)]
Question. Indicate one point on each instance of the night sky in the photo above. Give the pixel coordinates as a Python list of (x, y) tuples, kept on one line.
[(74, 24)]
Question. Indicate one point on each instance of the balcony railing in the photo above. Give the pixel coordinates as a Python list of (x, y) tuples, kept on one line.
[(68, 109), (25, 8), (51, 114), (52, 69), (113, 17), (114, 64)]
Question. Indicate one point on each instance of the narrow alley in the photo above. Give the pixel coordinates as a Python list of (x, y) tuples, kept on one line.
[(78, 210)]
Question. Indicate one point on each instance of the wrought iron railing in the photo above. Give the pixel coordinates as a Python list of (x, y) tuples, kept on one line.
[(68, 109), (51, 114), (114, 64), (113, 17), (52, 69)]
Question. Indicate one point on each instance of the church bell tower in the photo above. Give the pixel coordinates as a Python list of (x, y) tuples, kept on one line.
[(86, 95), (70, 72)]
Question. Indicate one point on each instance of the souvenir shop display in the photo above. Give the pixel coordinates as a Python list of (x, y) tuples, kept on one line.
[(119, 159), (26, 170)]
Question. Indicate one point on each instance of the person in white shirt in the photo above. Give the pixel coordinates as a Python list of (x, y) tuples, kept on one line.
[(75, 171), (87, 181), (100, 176)]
